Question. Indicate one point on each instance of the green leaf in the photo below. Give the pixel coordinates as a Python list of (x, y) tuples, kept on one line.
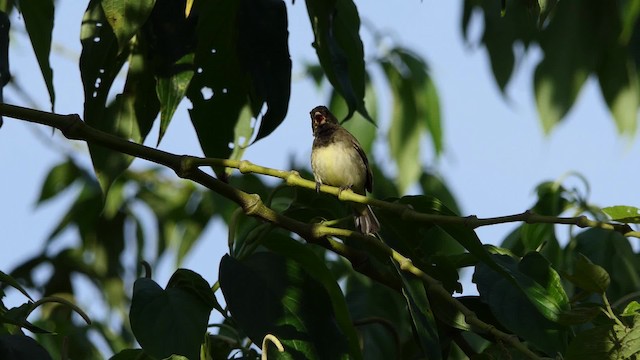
[(99, 65), (632, 309), (292, 306), (571, 53), (358, 125), (59, 178), (131, 354), (172, 89), (614, 253), (317, 268), (21, 347), (241, 135), (405, 130), (619, 85), (530, 308), (126, 17), (9, 280), (589, 276), (264, 52), (336, 29), (610, 341), (171, 321), (424, 323), (218, 89), (623, 214), (38, 20)]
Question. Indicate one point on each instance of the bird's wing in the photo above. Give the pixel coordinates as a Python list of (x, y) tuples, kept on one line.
[(368, 185)]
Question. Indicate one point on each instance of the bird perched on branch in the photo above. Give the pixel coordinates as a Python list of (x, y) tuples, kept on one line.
[(337, 159)]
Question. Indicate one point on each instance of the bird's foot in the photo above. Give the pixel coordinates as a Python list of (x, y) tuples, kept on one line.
[(318, 186)]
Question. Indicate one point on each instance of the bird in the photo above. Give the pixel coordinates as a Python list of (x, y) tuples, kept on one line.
[(337, 159)]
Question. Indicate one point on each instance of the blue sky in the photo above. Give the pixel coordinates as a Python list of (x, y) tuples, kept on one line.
[(495, 151)]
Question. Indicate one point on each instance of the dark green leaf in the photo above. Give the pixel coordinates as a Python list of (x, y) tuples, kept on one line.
[(605, 342), (264, 53), (624, 214), (172, 89), (21, 347), (405, 130), (580, 315), (521, 308), (292, 306), (9, 280), (358, 125), (38, 19), (572, 45), (59, 178), (99, 65), (171, 321), (131, 354), (317, 269), (218, 89), (126, 17), (336, 29), (614, 253), (589, 276), (421, 313), (619, 84)]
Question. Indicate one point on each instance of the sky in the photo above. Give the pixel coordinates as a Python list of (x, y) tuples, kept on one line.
[(495, 149)]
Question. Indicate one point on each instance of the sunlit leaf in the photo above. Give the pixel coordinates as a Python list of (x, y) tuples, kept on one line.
[(126, 17), (172, 89), (609, 341), (622, 213)]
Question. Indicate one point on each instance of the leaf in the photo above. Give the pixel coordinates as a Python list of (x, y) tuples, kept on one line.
[(530, 308), (131, 354), (619, 85), (9, 280), (424, 323), (623, 214), (358, 125), (632, 309), (38, 20), (172, 89), (571, 53), (264, 54), (613, 252), (21, 347), (218, 88), (317, 269), (405, 130), (99, 64), (293, 306), (126, 17), (171, 321), (589, 276), (610, 341), (336, 29), (59, 178)]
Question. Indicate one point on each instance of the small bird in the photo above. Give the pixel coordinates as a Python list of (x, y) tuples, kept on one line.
[(337, 159)]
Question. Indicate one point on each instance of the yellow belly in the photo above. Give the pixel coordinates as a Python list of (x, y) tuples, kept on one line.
[(339, 165)]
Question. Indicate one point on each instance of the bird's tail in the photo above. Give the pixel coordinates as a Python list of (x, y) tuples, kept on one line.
[(366, 221)]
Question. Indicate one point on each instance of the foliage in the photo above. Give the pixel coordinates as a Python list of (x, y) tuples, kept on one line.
[(296, 283)]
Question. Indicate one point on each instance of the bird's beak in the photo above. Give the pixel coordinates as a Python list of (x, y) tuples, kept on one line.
[(318, 118)]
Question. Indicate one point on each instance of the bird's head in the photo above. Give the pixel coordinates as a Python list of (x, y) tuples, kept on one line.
[(320, 115)]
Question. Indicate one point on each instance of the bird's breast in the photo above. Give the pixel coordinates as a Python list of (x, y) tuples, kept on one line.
[(339, 164)]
